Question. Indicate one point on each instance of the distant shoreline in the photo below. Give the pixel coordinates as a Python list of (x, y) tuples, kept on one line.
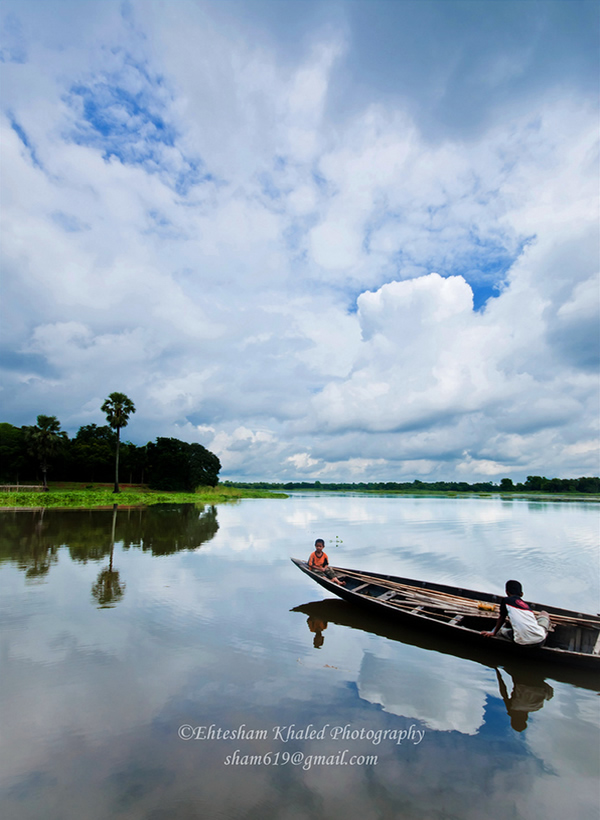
[(450, 490), (532, 496)]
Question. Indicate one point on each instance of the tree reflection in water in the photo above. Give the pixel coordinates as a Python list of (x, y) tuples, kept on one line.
[(108, 590), (31, 547), (31, 539)]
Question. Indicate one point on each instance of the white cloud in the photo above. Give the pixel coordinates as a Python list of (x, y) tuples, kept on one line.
[(281, 305), (302, 461)]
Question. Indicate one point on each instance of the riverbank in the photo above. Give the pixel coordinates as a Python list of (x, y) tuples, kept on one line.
[(101, 495)]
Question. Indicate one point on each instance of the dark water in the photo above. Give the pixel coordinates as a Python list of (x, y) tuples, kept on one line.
[(118, 628)]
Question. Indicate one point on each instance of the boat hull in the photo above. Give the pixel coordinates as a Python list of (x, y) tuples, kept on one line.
[(471, 628)]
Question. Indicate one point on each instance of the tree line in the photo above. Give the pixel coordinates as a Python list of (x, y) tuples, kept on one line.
[(585, 484), (97, 455)]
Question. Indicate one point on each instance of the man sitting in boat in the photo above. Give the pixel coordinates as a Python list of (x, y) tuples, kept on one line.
[(319, 562), (517, 622)]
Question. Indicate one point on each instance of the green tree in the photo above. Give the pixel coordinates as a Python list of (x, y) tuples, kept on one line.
[(93, 453), (177, 465), (535, 482), (507, 484), (168, 465), (118, 407), (13, 453), (44, 441), (588, 484), (133, 461), (204, 467)]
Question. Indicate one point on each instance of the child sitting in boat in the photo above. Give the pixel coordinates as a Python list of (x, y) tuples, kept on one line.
[(319, 562), (517, 622)]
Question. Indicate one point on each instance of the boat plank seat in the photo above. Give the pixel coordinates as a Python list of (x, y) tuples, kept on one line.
[(416, 610), (456, 620), (387, 595), (362, 586)]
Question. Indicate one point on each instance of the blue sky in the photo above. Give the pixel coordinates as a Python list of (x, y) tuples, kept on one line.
[(349, 240)]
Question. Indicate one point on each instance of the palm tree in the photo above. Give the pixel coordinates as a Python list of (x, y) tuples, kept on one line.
[(118, 407), (44, 440)]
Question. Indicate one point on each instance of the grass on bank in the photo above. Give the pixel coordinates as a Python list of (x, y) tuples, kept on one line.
[(101, 495)]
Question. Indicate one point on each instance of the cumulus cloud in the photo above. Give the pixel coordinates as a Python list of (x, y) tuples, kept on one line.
[(191, 218)]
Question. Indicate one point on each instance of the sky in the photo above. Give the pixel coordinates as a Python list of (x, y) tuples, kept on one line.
[(337, 241)]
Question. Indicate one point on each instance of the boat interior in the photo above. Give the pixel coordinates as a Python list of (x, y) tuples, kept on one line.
[(456, 610)]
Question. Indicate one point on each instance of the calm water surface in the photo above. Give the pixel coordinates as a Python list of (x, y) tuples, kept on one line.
[(119, 627)]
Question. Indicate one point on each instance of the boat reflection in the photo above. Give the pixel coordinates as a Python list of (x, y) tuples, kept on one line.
[(527, 676)]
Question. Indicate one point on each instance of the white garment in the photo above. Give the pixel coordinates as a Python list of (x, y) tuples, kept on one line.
[(526, 629)]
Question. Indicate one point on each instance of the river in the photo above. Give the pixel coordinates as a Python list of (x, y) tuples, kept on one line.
[(171, 662)]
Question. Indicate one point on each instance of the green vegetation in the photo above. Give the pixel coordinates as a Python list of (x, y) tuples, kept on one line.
[(96, 455), (87, 497)]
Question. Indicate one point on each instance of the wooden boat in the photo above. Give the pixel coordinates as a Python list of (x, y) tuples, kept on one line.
[(458, 613)]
